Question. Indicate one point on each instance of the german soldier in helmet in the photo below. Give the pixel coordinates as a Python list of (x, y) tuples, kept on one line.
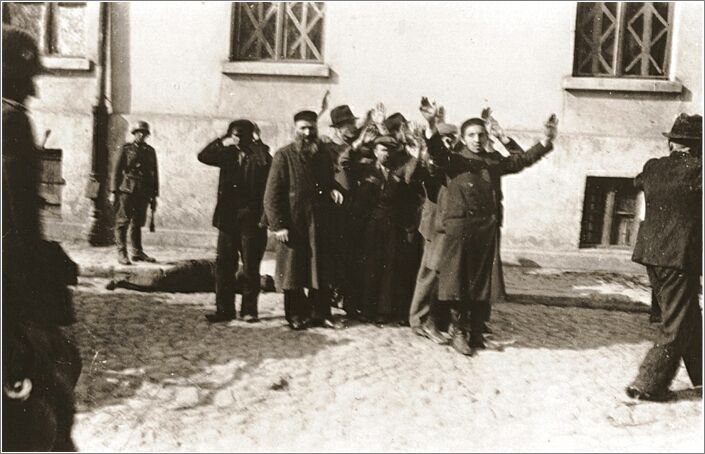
[(669, 244), (40, 366), (135, 186)]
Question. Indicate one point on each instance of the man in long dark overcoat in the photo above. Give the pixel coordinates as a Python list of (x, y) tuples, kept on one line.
[(669, 244), (40, 364), (244, 167), (297, 204)]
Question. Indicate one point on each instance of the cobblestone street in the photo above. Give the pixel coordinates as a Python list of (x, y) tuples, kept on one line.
[(157, 377)]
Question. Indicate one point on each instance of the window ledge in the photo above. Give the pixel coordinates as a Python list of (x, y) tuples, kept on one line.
[(277, 68), (622, 84), (66, 63)]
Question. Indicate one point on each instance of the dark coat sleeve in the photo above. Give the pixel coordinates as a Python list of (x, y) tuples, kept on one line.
[(516, 162), (118, 170), (513, 147), (213, 154), (276, 194), (639, 180)]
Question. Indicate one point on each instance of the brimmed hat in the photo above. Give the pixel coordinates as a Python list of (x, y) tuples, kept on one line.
[(340, 115), (141, 126), (387, 141), (686, 127), (306, 115)]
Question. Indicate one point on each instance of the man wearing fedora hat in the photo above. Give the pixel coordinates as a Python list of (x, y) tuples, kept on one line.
[(135, 185), (669, 244), (349, 147)]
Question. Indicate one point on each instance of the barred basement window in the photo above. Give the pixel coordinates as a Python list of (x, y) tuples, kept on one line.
[(609, 213), (277, 31), (59, 27), (615, 39)]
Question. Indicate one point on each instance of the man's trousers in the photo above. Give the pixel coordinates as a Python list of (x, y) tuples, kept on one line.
[(246, 243), (681, 331)]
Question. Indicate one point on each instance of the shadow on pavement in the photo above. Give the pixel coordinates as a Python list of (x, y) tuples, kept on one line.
[(537, 326), (126, 341)]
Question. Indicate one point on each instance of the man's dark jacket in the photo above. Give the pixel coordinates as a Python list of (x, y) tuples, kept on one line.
[(240, 184), (671, 234)]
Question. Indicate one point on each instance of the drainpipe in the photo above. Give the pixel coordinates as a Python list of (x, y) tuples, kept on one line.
[(100, 233)]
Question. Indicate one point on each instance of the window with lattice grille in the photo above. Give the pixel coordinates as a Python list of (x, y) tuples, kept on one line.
[(59, 27), (615, 39), (609, 213), (277, 31)]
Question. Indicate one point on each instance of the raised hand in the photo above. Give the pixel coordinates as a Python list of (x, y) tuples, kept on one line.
[(428, 110), (550, 128), (379, 113), (492, 125), (441, 114), (324, 103)]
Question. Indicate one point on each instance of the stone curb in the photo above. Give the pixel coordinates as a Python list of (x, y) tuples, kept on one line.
[(585, 302)]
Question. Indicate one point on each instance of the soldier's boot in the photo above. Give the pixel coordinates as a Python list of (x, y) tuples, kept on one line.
[(458, 340), (138, 254), (121, 243)]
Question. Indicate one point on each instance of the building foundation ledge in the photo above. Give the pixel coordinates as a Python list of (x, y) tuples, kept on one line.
[(276, 68), (622, 84)]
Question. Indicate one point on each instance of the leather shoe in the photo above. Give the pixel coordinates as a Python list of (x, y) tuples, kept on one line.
[(460, 344), (296, 324), (220, 317), (430, 332), (142, 257), (250, 318), (123, 260), (331, 324), (661, 396)]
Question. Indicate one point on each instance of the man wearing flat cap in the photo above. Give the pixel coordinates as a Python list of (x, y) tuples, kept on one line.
[(135, 186), (385, 211), (669, 244), (244, 163), (40, 364), (298, 200)]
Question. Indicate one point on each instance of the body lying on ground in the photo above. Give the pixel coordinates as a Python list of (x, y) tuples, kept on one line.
[(184, 276)]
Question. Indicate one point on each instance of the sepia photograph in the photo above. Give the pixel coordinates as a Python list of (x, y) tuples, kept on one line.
[(352, 226)]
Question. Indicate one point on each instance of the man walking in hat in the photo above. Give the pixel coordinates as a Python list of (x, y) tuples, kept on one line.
[(244, 163), (135, 186), (669, 244), (297, 203)]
